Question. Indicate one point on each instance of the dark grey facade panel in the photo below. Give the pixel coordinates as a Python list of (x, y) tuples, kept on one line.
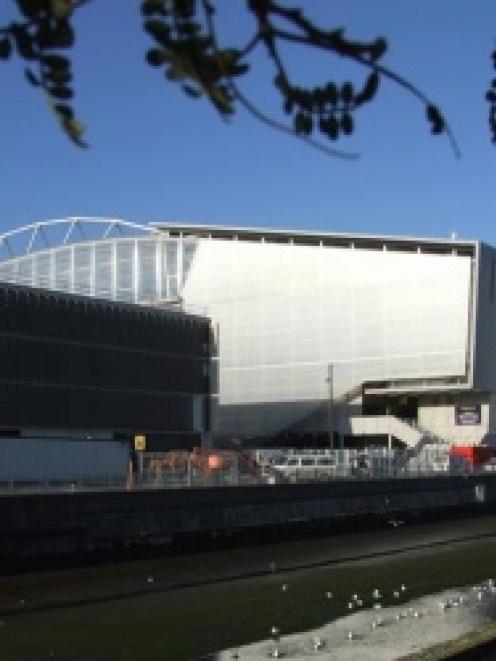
[(48, 406), (484, 378), (34, 360), (67, 362)]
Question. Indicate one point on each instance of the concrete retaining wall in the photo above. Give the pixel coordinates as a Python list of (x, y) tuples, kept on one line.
[(65, 523)]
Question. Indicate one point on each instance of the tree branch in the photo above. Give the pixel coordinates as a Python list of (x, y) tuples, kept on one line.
[(268, 121)]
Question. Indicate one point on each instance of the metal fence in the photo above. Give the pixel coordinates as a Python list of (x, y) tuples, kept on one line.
[(182, 469)]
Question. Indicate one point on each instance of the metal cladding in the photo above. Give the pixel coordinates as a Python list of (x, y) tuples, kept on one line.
[(69, 362), (395, 313)]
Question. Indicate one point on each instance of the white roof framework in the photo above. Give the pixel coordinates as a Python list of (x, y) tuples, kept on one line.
[(56, 233)]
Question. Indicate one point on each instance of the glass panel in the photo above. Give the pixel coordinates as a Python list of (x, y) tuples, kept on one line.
[(43, 270), (147, 278), (188, 254), (63, 269), (171, 257), (82, 269), (172, 288), (7, 272), (103, 270), (25, 271), (125, 270)]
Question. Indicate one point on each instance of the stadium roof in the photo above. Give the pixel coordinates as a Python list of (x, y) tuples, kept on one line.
[(317, 237)]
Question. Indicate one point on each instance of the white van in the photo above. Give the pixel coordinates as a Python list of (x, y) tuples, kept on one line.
[(305, 466)]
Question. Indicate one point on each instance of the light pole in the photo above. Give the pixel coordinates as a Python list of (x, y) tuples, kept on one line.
[(330, 417)]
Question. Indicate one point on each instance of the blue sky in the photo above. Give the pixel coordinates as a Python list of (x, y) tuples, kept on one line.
[(157, 155)]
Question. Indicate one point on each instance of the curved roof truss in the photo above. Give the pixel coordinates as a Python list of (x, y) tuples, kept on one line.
[(55, 233)]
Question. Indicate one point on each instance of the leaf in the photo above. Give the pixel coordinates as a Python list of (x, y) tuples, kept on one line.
[(56, 62), (75, 130), (30, 8), (347, 93), (219, 96), (24, 42), (58, 34), (61, 92), (158, 30), (65, 115), (156, 57), (239, 69), (5, 48), (61, 9), (64, 110), (191, 91), (302, 123), (58, 76), (347, 123), (435, 118), (288, 105), (209, 7), (331, 93), (330, 127), (150, 7), (32, 79), (369, 90), (63, 35), (176, 72), (378, 48)]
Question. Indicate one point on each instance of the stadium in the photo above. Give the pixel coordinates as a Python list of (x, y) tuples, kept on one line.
[(314, 334)]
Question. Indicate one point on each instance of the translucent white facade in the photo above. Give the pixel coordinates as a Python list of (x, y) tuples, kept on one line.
[(286, 312), (134, 269), (389, 312)]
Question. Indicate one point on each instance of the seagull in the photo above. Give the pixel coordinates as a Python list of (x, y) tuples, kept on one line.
[(350, 635), (396, 594), (329, 595), (317, 643), (376, 594), (150, 579)]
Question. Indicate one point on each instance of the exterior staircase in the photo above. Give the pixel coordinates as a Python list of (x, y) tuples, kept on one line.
[(387, 425)]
